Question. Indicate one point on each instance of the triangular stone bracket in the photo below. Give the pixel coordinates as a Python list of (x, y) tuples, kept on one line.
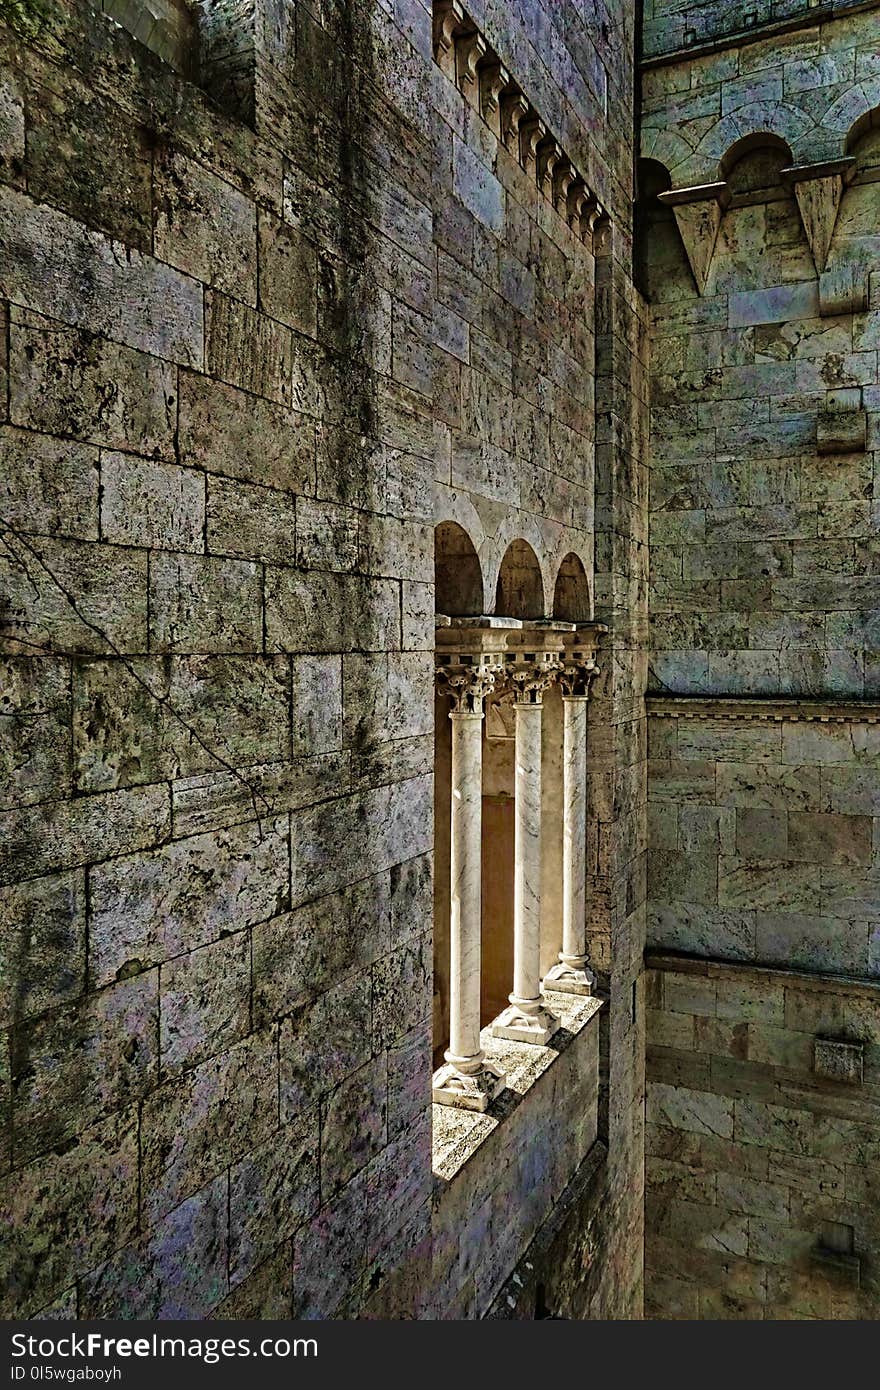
[(698, 215), (818, 189)]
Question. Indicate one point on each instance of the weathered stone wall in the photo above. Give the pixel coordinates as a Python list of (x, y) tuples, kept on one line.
[(762, 817), (248, 324), (672, 25), (762, 1165)]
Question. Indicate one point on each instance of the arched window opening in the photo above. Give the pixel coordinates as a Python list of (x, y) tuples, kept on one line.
[(458, 579), (571, 596), (520, 589)]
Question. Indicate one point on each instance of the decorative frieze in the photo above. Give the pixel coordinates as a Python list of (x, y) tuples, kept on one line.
[(467, 59)]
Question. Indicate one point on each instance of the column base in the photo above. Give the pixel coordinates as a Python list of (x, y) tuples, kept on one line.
[(570, 976), (467, 1090), (532, 1024)]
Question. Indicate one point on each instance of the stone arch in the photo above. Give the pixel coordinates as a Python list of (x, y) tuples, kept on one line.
[(854, 112), (754, 161), (761, 119), (519, 592), (571, 593), (458, 576), (861, 129)]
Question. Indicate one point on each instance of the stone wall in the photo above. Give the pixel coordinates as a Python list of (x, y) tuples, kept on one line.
[(247, 325), (764, 780), (672, 25), (762, 1142)]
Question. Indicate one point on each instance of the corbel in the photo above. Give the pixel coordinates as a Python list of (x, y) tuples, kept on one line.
[(470, 48), (842, 427), (698, 216), (514, 109), (592, 215), (548, 156), (531, 132), (576, 204), (494, 80), (449, 20), (564, 176), (818, 189), (843, 289)]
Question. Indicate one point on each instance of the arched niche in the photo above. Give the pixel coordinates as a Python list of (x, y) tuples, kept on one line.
[(752, 164), (571, 594), (660, 265), (458, 578), (520, 589)]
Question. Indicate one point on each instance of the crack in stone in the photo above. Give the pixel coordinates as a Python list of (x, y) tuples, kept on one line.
[(162, 700)]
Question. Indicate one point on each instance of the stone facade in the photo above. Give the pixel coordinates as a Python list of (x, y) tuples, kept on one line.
[(329, 328), (761, 258), (279, 297)]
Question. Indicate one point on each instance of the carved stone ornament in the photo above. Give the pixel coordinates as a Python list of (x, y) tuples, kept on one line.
[(468, 686), (577, 677)]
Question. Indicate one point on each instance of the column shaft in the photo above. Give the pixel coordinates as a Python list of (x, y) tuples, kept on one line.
[(465, 886), (571, 975), (527, 1020)]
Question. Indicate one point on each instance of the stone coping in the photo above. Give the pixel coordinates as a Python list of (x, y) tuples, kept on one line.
[(713, 969), (782, 707), (458, 1134)]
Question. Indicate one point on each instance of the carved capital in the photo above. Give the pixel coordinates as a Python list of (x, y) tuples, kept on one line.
[(468, 685), (576, 678), (528, 680)]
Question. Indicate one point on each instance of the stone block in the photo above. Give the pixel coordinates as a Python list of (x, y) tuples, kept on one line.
[(206, 1120), (67, 1212), (65, 834), (248, 349), (837, 1060), (697, 1112), (177, 1270), (43, 942), (331, 843), (830, 838), (149, 908), (156, 505), (152, 718), (204, 1002), (327, 536), (51, 486), (402, 992), (57, 267), (79, 1062), (288, 274), (256, 523), (303, 953), (202, 604), (232, 432), (309, 1070), (354, 1124), (34, 730), (317, 612), (69, 382), (204, 226), (40, 577), (316, 687), (272, 1191)]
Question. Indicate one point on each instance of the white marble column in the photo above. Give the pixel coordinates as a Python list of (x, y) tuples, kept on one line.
[(528, 1019), (572, 974), (467, 1079)]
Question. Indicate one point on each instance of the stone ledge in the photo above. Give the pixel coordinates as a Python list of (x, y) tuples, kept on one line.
[(801, 979), (459, 1134), (778, 708)]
